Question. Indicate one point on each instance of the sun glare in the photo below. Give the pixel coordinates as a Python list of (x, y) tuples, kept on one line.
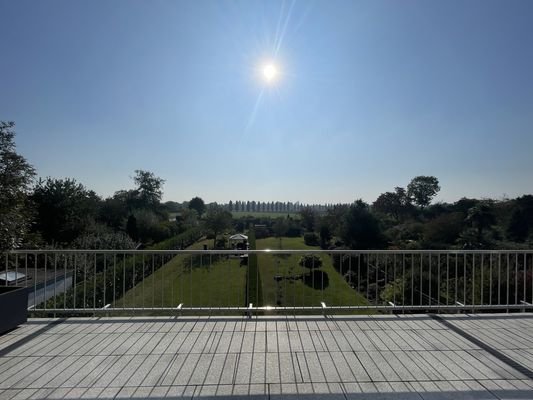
[(270, 73)]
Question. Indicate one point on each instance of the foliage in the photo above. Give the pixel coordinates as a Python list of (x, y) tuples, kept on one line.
[(480, 217), (187, 218), (325, 236), (96, 279), (114, 212), (308, 216), (99, 237), (360, 229), (310, 261), (198, 205), (217, 220), (280, 227), (150, 228), (443, 230), (422, 189), (16, 176), (149, 188), (396, 204), (311, 239), (521, 222), (64, 208)]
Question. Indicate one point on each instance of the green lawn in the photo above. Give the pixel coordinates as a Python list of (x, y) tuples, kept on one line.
[(220, 284), (289, 289)]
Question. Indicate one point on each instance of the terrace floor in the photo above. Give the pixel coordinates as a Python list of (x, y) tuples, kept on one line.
[(361, 357)]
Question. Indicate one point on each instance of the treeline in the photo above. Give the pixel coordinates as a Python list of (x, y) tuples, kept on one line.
[(63, 213), (406, 219), (273, 206)]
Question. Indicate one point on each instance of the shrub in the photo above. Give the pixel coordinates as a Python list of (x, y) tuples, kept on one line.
[(311, 239), (310, 261)]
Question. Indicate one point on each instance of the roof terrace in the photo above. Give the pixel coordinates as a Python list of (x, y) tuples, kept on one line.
[(155, 325)]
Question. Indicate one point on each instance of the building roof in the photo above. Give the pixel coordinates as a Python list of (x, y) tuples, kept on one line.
[(238, 236)]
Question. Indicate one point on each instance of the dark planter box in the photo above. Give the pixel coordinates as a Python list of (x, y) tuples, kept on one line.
[(13, 307)]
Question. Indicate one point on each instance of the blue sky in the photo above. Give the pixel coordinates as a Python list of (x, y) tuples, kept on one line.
[(370, 94)]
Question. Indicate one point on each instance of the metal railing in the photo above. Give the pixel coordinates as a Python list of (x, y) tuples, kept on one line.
[(136, 282)]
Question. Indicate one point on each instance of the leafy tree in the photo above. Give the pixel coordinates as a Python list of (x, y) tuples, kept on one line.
[(187, 218), (360, 229), (217, 220), (149, 188), (518, 228), (422, 189), (197, 204), (308, 218), (480, 217), (325, 236), (131, 227), (394, 203), (311, 239), (114, 211), (64, 208), (98, 236), (445, 229), (521, 222), (16, 176)]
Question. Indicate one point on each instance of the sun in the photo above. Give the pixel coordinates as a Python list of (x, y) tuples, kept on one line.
[(270, 72)]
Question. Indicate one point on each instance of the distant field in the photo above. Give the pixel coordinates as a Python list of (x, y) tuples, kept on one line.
[(238, 214), (295, 292)]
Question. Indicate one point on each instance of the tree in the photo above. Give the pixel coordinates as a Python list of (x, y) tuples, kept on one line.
[(325, 236), (393, 203), (308, 218), (217, 220), (131, 227), (480, 217), (445, 229), (149, 188), (360, 229), (197, 204), (422, 189), (64, 207), (280, 228), (114, 211), (521, 222), (16, 176)]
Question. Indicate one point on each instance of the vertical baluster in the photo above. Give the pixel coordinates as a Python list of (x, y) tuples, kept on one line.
[(94, 284), (55, 281), (45, 287), (104, 299), (482, 280), (473, 279), (516, 279)]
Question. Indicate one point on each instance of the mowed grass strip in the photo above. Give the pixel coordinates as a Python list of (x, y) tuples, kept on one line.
[(282, 282), (213, 282)]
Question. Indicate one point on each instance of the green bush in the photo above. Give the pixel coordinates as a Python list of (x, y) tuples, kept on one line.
[(311, 239), (310, 261)]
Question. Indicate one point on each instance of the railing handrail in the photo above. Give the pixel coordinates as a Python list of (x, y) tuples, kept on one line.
[(103, 280), (264, 251)]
